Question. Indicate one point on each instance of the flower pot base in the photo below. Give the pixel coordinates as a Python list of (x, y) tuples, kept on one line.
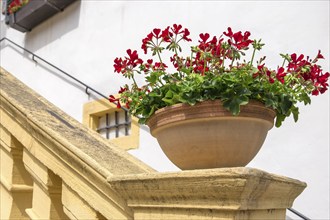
[(208, 136)]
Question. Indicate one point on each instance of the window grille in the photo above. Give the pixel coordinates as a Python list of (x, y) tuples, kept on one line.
[(115, 124)]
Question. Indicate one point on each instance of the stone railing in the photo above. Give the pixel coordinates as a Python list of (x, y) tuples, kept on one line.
[(52, 167)]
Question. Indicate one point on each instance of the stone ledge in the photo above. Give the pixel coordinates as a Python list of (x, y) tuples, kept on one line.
[(37, 113), (81, 158), (230, 190)]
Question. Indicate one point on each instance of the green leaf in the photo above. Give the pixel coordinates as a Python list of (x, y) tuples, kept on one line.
[(305, 98), (295, 112), (169, 94), (286, 57), (234, 108), (233, 104), (154, 94), (285, 104), (152, 79), (142, 120), (168, 99), (152, 110), (279, 119)]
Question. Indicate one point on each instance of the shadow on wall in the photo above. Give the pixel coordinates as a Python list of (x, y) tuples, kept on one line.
[(53, 28)]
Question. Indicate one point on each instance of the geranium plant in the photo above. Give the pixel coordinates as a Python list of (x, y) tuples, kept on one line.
[(16, 5), (215, 68)]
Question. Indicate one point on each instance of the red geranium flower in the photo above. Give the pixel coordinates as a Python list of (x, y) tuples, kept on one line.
[(280, 74), (115, 101), (215, 68)]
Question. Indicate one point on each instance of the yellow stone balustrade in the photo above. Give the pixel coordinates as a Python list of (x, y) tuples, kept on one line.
[(53, 167)]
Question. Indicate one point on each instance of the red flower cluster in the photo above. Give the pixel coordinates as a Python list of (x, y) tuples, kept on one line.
[(128, 64), (15, 5), (158, 36), (238, 40), (210, 58), (117, 100), (173, 35), (301, 68), (310, 71)]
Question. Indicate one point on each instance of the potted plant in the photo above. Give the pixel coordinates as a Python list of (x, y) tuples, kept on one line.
[(26, 14), (214, 107), (16, 5)]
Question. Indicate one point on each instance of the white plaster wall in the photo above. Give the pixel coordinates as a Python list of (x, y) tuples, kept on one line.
[(85, 38)]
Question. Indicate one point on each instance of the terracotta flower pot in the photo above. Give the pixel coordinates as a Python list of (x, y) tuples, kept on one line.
[(208, 136)]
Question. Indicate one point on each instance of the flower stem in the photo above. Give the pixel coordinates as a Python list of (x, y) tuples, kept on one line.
[(253, 54), (134, 81), (160, 59), (232, 62), (161, 64), (177, 54)]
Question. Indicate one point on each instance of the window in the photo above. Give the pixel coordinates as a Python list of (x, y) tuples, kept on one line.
[(112, 123)]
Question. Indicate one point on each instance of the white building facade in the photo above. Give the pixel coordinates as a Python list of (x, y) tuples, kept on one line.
[(87, 36)]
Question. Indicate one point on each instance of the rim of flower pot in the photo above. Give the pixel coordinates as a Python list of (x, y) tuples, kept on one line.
[(182, 112)]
